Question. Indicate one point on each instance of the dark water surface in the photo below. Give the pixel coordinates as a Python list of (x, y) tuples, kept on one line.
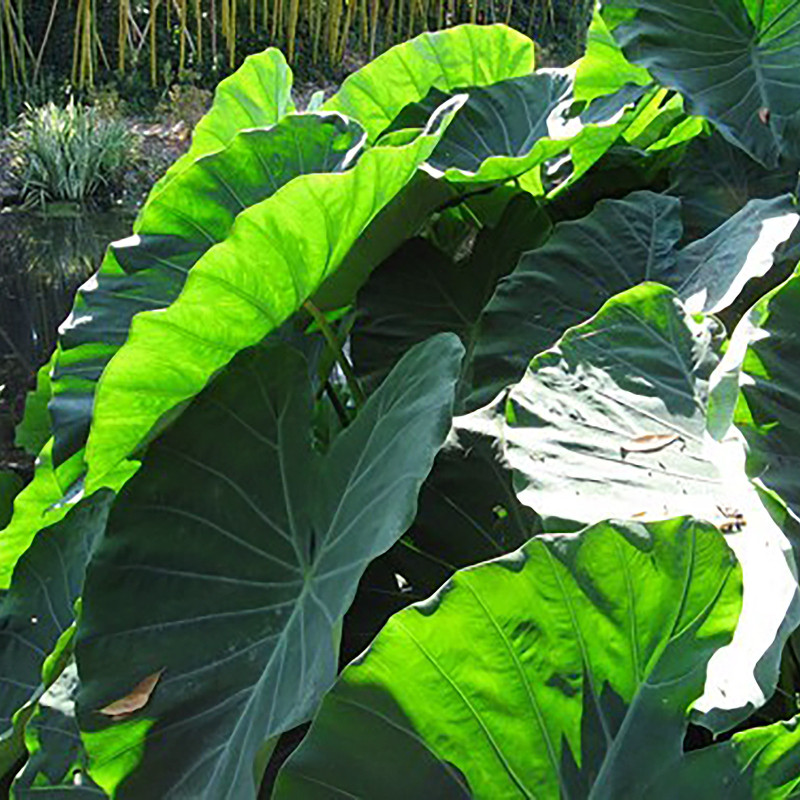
[(43, 261)]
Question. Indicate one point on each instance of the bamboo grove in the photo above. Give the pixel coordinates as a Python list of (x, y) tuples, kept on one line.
[(159, 37)]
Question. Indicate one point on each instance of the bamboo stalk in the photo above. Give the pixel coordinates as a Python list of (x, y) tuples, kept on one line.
[(334, 13), (388, 31), (21, 34), (316, 32), (76, 39), (348, 19), (373, 25), (3, 65), (13, 51), (182, 21), (214, 33), (153, 43), (232, 37), (291, 28), (363, 31), (87, 72), (198, 17), (122, 34)]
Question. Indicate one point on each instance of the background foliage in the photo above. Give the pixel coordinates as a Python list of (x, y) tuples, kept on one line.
[(136, 44)]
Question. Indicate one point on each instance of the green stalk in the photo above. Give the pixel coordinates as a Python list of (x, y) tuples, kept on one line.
[(330, 337)]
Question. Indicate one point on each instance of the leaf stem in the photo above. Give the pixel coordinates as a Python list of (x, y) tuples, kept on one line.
[(341, 411), (333, 343)]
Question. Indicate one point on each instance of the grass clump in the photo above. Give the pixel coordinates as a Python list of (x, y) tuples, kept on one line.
[(70, 154)]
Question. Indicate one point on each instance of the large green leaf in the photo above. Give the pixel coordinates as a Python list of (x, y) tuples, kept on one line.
[(736, 63), (421, 290), (181, 221), (37, 609), (257, 95), (604, 74), (715, 179), (230, 560), (573, 428), (618, 245), (768, 408), (503, 131), (540, 674), (468, 513), (640, 367), (466, 55), (276, 256)]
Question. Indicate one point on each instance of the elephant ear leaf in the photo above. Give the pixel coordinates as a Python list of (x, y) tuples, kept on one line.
[(230, 560), (278, 253), (37, 612), (180, 222), (625, 395), (257, 95), (466, 55), (57, 765), (736, 62), (505, 129), (534, 675)]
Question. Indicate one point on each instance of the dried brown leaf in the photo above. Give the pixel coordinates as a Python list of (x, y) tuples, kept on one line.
[(137, 698), (650, 443)]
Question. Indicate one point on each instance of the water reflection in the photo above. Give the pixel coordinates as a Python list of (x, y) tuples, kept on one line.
[(43, 261)]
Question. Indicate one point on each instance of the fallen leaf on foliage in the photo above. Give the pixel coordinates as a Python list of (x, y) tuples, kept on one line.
[(137, 698), (650, 443)]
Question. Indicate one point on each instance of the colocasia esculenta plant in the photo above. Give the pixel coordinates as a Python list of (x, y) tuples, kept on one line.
[(458, 415)]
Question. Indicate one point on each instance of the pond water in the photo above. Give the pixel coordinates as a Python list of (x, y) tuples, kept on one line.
[(43, 261)]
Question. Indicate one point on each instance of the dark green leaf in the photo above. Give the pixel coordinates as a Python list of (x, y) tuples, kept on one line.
[(420, 291), (611, 423), (467, 55), (38, 607), (621, 243), (539, 674), (739, 69), (243, 549), (502, 131), (715, 179)]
